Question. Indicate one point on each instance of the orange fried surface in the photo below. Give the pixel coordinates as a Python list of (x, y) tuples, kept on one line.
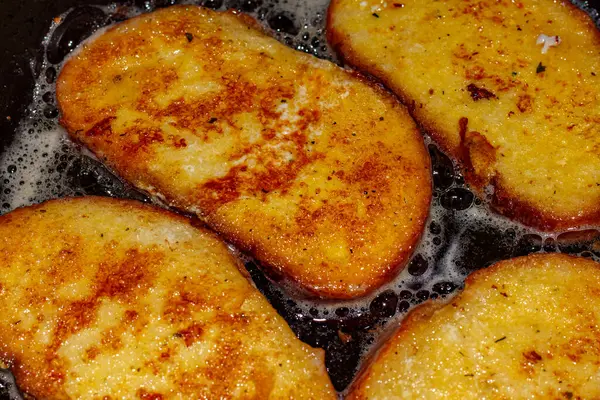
[(318, 173), (111, 299)]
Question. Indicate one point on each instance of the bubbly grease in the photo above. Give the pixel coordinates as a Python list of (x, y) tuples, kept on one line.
[(461, 235)]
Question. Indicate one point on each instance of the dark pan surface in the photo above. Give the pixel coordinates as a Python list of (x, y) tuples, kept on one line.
[(462, 234)]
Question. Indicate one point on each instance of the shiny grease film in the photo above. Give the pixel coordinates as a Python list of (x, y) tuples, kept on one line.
[(461, 234)]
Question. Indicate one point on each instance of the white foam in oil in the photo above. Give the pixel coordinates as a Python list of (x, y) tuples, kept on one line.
[(29, 167)]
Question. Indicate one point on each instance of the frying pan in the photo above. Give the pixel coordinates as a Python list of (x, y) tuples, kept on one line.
[(345, 330)]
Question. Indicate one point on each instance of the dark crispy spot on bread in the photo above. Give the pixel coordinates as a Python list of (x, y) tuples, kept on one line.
[(178, 142), (101, 128), (132, 274), (191, 334), (179, 306), (580, 347), (478, 93), (143, 394), (141, 138), (221, 367), (92, 352), (463, 125), (111, 339), (131, 316), (532, 356), (524, 103), (476, 72), (159, 80)]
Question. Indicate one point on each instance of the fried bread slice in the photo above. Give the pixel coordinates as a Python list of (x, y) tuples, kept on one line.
[(525, 328), (113, 299), (522, 118), (319, 174)]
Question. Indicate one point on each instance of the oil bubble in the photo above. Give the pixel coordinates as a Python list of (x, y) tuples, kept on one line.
[(418, 265), (457, 199), (283, 23), (384, 305)]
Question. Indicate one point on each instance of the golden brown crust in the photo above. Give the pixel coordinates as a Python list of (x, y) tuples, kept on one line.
[(511, 196), (105, 298), (522, 327), (319, 173)]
